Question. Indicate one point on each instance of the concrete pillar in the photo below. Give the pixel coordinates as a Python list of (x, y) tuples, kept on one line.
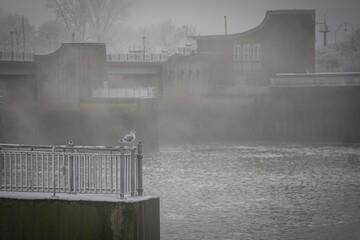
[(63, 219)]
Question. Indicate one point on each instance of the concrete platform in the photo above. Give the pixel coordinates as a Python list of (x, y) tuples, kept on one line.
[(81, 216)]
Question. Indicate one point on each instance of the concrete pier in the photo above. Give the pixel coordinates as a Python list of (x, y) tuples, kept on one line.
[(78, 217)]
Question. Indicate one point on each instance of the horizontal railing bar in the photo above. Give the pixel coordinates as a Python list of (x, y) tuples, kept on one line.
[(61, 153), (65, 147)]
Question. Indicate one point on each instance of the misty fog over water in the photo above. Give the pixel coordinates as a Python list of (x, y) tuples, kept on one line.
[(232, 101), (230, 190)]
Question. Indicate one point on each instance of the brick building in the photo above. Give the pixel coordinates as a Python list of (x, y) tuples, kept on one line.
[(230, 64)]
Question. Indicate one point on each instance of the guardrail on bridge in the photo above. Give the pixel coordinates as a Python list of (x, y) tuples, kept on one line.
[(16, 56), (71, 169), (139, 92), (137, 57)]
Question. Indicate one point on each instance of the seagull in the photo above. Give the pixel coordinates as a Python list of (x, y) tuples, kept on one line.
[(71, 143), (129, 138)]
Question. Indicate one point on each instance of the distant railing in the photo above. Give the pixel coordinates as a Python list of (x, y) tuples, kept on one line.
[(16, 56), (71, 169), (140, 92), (137, 57), (316, 80)]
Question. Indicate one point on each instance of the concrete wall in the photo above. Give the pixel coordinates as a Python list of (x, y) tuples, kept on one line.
[(311, 113), (60, 219), (17, 81), (184, 75), (282, 114), (70, 73)]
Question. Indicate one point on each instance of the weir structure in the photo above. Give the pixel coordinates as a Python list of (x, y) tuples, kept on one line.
[(75, 192), (90, 98)]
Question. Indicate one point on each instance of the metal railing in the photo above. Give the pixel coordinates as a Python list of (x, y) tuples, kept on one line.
[(16, 56), (71, 169), (139, 92), (137, 57)]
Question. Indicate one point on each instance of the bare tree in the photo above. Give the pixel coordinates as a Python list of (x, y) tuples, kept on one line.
[(187, 31), (167, 30), (50, 36), (105, 14), (327, 59), (350, 50), (18, 29), (168, 35), (90, 19)]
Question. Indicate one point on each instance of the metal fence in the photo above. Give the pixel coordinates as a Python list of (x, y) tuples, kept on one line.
[(137, 57), (71, 169), (16, 56), (139, 92)]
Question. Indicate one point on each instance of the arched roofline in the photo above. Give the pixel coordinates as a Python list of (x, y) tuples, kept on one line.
[(257, 28)]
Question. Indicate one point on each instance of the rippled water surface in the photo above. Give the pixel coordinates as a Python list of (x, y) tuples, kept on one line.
[(256, 191)]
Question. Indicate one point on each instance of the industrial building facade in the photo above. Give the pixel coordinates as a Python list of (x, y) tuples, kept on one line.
[(228, 64)]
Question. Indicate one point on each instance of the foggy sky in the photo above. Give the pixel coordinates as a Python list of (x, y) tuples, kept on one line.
[(208, 15)]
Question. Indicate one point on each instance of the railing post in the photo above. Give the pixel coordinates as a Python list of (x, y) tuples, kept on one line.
[(1, 167), (139, 169), (71, 167), (122, 172), (53, 165), (132, 171), (4, 169)]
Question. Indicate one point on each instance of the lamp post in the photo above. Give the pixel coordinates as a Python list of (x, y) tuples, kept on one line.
[(345, 29), (225, 21), (23, 35), (324, 29), (143, 38), (12, 46)]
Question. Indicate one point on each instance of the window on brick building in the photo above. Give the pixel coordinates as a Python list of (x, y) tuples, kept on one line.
[(237, 53), (247, 52), (257, 52)]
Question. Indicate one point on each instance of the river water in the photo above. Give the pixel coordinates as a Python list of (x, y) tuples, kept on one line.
[(256, 190)]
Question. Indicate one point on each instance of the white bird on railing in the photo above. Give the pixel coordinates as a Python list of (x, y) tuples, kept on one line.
[(129, 138)]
